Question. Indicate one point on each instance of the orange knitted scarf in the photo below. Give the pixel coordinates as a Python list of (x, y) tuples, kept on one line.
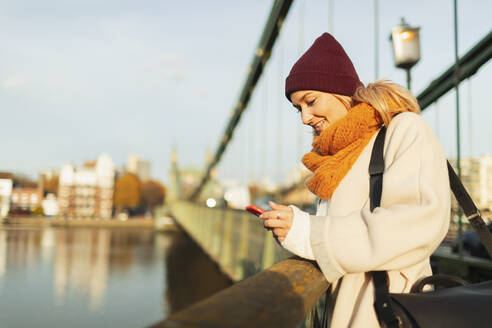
[(337, 148)]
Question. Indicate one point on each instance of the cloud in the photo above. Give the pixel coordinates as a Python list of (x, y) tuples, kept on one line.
[(15, 82), (171, 58), (175, 75), (164, 67), (44, 89)]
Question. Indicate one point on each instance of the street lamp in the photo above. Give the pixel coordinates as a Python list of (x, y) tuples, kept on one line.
[(406, 46)]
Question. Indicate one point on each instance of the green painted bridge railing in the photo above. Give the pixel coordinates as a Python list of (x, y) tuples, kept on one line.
[(272, 289), (234, 239)]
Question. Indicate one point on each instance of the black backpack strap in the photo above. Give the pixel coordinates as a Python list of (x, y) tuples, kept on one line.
[(471, 211), (382, 303), (376, 169)]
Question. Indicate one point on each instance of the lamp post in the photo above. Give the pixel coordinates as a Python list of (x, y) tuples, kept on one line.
[(406, 47)]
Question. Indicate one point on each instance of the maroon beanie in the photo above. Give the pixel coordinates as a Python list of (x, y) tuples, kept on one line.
[(323, 67)]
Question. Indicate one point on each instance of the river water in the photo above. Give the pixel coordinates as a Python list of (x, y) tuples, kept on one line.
[(99, 277)]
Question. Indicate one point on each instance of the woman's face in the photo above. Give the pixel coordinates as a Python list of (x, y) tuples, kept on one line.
[(318, 109)]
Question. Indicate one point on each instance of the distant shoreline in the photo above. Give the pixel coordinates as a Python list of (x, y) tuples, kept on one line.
[(82, 222)]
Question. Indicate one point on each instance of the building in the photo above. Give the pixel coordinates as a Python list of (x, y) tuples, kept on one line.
[(476, 175), (139, 167), (50, 205), (25, 200), (6, 183), (87, 191)]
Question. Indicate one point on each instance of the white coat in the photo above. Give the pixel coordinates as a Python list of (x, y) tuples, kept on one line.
[(348, 241)]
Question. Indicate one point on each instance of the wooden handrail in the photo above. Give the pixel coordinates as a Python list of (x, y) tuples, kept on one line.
[(280, 296)]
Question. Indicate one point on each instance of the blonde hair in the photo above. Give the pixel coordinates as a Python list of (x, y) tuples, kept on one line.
[(345, 100), (387, 98)]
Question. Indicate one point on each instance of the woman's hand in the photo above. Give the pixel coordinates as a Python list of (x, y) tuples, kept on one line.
[(279, 220)]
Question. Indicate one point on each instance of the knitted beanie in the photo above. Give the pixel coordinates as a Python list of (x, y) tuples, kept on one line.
[(323, 67)]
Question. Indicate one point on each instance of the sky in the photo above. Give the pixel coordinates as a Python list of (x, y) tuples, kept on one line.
[(84, 77)]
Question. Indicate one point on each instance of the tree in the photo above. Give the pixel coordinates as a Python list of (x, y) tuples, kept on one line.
[(51, 185), (126, 191), (153, 194)]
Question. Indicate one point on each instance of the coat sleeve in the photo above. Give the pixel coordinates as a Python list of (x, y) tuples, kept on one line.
[(414, 215), (297, 240)]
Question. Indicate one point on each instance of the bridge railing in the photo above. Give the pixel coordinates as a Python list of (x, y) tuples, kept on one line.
[(234, 239), (280, 296)]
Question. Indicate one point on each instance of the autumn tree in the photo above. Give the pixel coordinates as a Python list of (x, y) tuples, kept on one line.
[(126, 191), (50, 185), (153, 194)]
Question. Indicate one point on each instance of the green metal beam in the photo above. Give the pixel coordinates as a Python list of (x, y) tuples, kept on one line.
[(262, 54), (468, 65)]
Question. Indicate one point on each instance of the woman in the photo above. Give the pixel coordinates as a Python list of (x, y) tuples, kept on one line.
[(345, 238)]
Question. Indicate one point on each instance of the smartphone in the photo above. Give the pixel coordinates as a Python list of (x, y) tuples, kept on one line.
[(255, 210)]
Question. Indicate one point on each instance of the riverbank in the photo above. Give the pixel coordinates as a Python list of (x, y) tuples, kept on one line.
[(62, 222)]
